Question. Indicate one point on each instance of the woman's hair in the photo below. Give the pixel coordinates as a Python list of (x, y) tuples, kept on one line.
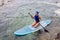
[(37, 12)]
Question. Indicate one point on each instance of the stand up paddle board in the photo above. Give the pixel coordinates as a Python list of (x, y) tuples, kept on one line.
[(29, 29)]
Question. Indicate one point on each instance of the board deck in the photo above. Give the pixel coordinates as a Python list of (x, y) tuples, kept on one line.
[(29, 29)]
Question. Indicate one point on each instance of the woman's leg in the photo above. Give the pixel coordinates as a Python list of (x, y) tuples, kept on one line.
[(37, 24), (34, 23)]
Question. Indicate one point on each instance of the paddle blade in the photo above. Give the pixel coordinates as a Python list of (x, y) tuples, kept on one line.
[(46, 30)]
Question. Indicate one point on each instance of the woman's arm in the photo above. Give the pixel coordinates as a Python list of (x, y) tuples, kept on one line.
[(31, 15), (40, 18)]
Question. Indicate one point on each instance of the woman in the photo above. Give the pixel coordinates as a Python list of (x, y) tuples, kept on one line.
[(37, 19)]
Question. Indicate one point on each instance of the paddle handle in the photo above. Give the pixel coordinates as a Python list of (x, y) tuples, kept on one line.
[(31, 15)]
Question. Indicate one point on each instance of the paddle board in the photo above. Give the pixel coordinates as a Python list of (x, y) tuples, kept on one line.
[(29, 29)]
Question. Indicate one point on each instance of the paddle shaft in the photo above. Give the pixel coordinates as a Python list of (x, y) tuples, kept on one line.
[(44, 29)]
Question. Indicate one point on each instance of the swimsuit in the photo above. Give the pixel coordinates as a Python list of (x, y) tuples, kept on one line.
[(36, 17)]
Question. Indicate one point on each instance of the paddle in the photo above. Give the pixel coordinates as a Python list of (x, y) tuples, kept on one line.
[(44, 29), (40, 24)]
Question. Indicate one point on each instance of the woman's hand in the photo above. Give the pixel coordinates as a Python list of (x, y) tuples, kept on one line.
[(31, 15)]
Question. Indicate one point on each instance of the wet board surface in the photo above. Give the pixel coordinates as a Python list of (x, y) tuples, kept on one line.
[(29, 29)]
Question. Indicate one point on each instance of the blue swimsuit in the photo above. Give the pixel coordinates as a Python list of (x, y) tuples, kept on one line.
[(36, 17)]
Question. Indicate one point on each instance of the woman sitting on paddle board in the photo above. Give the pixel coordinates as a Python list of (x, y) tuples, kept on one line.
[(37, 19)]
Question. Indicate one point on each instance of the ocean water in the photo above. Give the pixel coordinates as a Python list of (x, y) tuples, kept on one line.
[(19, 18)]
